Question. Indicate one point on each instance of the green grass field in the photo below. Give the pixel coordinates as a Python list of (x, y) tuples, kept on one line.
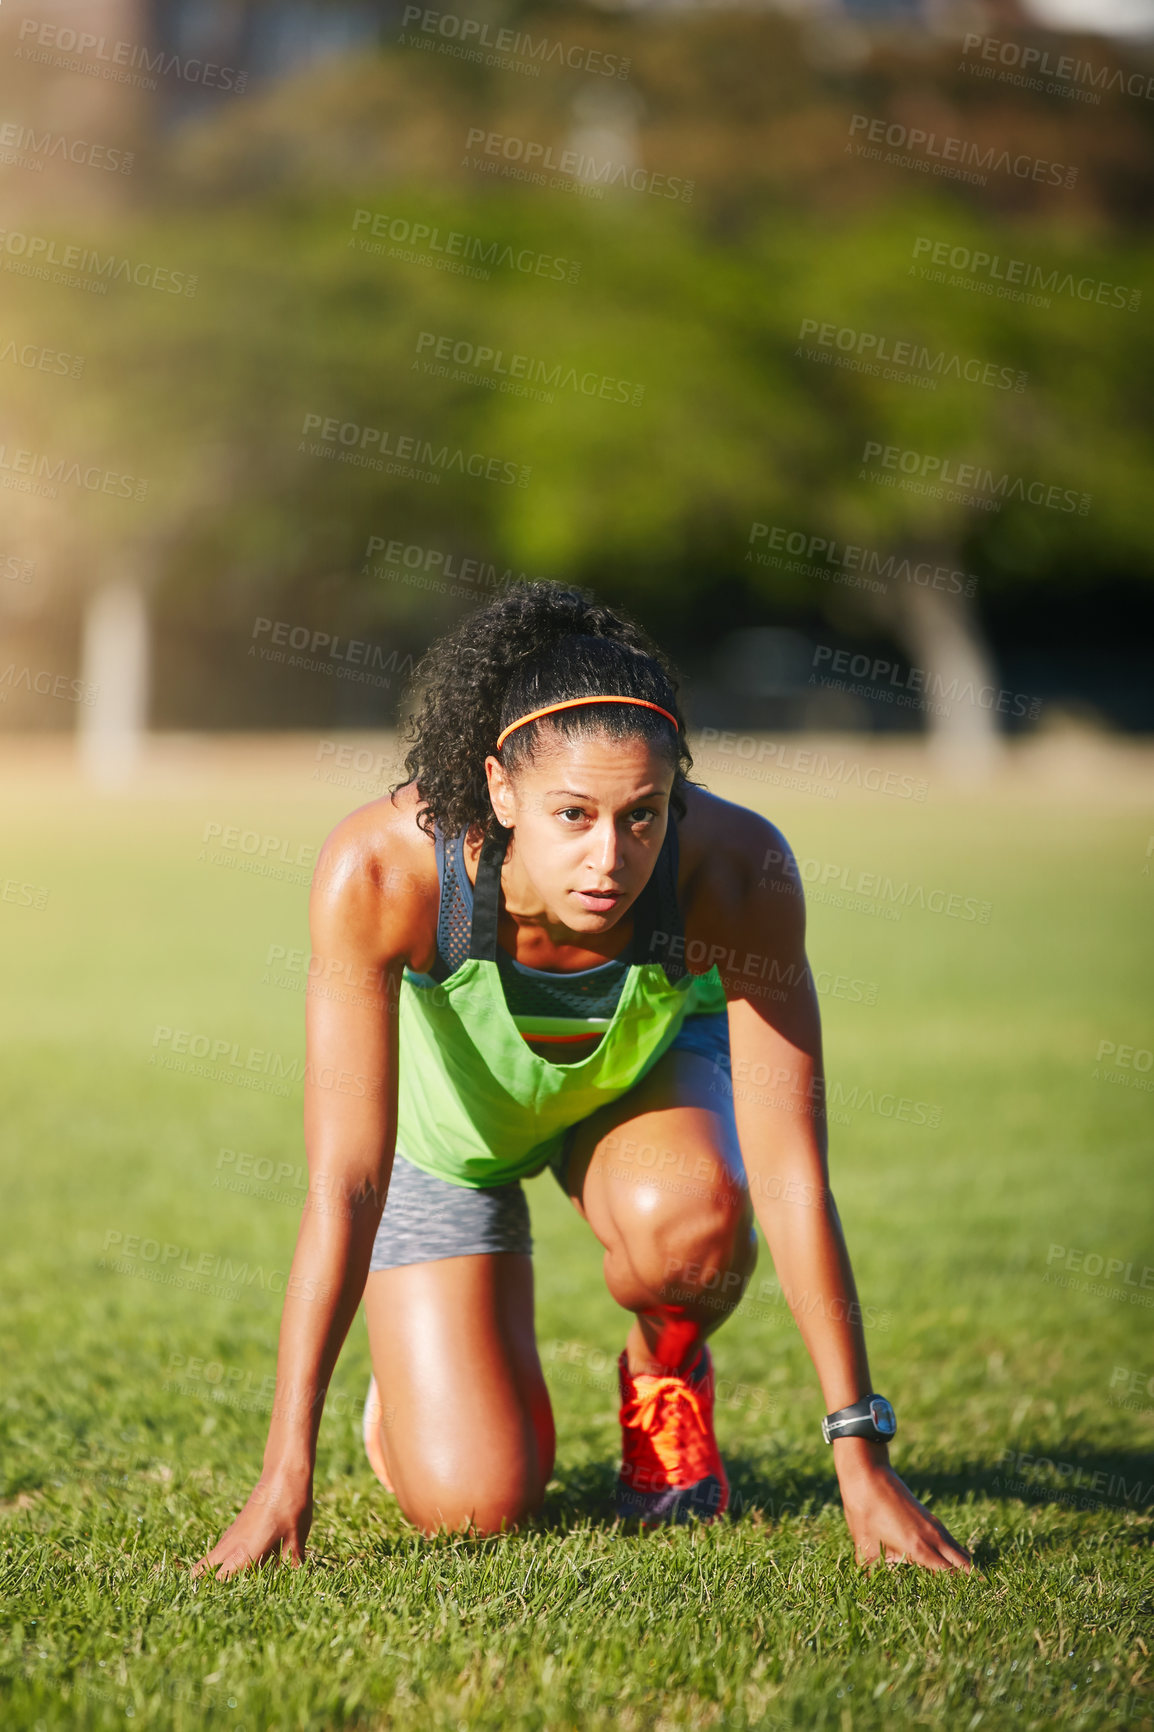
[(134, 1411)]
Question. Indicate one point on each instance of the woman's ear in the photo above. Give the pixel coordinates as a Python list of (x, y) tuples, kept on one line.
[(500, 792)]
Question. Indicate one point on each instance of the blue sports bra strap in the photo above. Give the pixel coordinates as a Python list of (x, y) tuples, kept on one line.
[(439, 856), (487, 897), (439, 970)]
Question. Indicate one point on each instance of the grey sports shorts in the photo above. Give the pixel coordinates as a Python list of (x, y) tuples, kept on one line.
[(427, 1218)]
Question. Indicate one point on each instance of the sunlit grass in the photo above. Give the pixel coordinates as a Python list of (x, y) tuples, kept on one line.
[(134, 1412)]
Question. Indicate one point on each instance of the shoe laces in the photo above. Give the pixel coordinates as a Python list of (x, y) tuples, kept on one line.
[(667, 1422)]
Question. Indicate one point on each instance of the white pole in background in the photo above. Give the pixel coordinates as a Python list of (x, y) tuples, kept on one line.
[(115, 667)]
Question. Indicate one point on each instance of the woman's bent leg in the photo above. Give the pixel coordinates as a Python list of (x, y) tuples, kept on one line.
[(659, 1177), (467, 1426)]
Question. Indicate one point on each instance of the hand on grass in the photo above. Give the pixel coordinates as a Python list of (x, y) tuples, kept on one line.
[(274, 1522), (881, 1510)]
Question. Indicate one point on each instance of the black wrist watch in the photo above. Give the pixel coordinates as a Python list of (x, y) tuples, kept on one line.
[(871, 1417)]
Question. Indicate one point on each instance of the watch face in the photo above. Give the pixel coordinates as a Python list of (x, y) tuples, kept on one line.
[(883, 1416)]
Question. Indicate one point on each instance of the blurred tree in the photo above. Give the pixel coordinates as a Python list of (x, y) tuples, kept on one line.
[(713, 304)]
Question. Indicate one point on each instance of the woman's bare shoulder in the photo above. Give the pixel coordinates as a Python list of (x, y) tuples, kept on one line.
[(726, 846), (376, 875)]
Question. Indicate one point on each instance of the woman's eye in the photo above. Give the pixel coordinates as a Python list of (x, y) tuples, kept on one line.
[(643, 814), (571, 811)]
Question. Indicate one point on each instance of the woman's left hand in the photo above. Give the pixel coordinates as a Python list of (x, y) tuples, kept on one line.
[(880, 1510)]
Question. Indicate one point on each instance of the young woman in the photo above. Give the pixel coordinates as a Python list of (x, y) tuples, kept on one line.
[(557, 951)]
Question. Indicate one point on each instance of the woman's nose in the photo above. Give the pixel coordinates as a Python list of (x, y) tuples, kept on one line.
[(607, 849)]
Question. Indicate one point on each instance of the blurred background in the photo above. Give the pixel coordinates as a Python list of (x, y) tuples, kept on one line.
[(817, 334)]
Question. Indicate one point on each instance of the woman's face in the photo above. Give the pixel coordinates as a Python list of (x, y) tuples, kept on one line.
[(589, 818)]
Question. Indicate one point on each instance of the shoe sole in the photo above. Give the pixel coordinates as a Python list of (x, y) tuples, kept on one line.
[(708, 1500)]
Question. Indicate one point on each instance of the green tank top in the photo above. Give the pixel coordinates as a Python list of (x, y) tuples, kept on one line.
[(478, 1107)]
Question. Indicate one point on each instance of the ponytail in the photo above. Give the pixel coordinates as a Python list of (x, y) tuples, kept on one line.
[(537, 644)]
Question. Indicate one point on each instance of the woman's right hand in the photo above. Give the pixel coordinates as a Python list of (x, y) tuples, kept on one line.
[(275, 1522)]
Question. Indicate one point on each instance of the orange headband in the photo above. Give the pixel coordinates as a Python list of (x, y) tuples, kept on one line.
[(569, 704)]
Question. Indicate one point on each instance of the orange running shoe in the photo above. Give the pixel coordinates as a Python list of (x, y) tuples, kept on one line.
[(371, 1432), (670, 1468)]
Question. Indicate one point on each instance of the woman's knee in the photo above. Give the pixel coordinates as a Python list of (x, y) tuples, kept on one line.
[(707, 1282), (482, 1509), (702, 1211), (490, 1478)]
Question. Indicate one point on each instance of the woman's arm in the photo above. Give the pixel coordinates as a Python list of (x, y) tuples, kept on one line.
[(362, 914), (751, 909)]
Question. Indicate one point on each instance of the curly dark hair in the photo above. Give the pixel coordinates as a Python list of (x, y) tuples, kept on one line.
[(538, 644)]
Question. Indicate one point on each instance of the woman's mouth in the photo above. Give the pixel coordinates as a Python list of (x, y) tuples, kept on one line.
[(599, 901)]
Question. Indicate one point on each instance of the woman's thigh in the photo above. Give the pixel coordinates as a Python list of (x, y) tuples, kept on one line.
[(468, 1428)]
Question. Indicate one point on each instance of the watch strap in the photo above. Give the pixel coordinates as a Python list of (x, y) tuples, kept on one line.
[(861, 1419)]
